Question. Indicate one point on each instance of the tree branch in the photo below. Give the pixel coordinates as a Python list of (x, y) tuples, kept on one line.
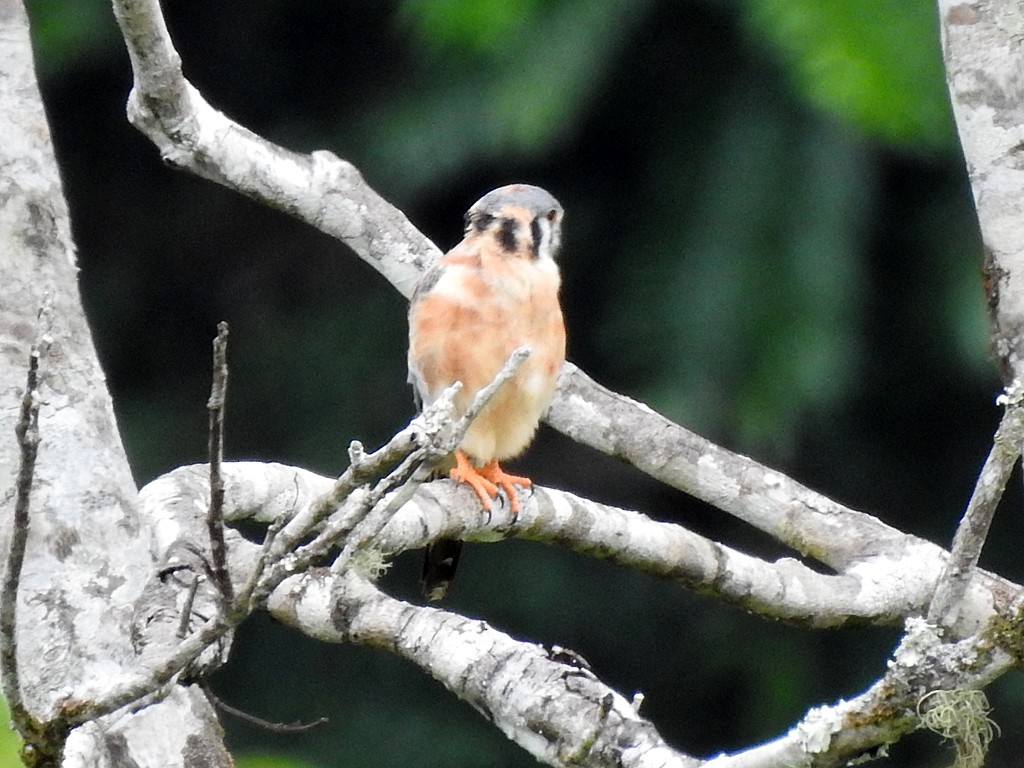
[(973, 529), (833, 736), (364, 511), (876, 564), (215, 514), (879, 590), (344, 608), (329, 194), (85, 555), (809, 522), (320, 188), (560, 713), (983, 49), (563, 715), (27, 432)]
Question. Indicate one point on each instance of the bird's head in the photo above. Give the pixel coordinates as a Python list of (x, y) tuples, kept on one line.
[(525, 220)]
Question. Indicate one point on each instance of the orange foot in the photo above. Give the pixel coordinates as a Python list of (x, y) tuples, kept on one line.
[(486, 480)]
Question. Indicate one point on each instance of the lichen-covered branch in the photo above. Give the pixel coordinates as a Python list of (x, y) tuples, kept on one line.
[(809, 522), (983, 48), (832, 736), (881, 590), (554, 708), (319, 188), (564, 715)]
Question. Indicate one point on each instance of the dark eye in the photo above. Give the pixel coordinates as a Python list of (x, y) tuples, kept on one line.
[(552, 214), (482, 221)]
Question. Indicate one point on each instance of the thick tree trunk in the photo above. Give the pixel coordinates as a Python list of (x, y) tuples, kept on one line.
[(87, 552)]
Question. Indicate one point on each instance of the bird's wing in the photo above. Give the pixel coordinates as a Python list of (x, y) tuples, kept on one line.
[(420, 391)]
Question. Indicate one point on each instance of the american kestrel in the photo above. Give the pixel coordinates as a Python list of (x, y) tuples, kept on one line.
[(495, 291)]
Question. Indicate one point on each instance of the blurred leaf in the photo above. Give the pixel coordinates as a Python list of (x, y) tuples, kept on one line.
[(446, 26), (874, 63), (749, 275), (10, 743), (270, 761), (66, 33)]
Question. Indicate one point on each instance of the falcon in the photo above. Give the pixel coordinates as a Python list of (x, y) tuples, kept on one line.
[(495, 291)]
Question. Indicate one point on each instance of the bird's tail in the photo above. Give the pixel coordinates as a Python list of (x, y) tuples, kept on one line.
[(439, 564)]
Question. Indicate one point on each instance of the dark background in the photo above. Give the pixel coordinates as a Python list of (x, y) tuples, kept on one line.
[(769, 238)]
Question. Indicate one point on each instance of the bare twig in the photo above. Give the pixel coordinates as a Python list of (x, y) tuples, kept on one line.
[(185, 621), (417, 447), (150, 684), (974, 525), (245, 604), (357, 507), (362, 469), (484, 395), (259, 722), (425, 429), (215, 515), (366, 530), (27, 431), (279, 557)]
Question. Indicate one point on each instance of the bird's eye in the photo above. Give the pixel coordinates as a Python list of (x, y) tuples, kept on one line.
[(552, 214), (482, 221)]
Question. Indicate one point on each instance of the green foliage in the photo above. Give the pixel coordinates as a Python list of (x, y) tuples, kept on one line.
[(67, 33), (10, 743), (756, 275), (484, 27), (271, 761), (497, 81), (873, 63)]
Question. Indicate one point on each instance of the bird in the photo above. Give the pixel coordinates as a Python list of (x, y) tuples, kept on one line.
[(495, 291)]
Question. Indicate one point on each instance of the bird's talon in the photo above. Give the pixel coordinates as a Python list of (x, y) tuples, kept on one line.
[(500, 478), (464, 472)]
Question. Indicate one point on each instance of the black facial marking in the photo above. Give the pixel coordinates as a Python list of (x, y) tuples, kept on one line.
[(507, 235), (535, 234)]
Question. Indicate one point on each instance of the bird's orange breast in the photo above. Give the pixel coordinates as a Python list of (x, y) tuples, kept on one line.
[(480, 309)]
